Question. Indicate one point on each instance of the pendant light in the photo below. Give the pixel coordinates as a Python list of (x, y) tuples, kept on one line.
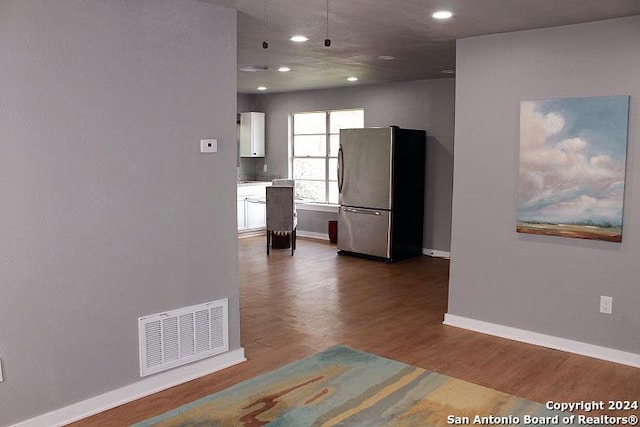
[(265, 42), (327, 41)]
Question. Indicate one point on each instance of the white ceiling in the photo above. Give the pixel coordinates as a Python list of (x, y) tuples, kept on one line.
[(363, 30)]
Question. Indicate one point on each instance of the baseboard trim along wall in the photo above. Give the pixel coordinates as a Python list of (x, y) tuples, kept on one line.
[(436, 254), (312, 235), (324, 236), (142, 388), (563, 344)]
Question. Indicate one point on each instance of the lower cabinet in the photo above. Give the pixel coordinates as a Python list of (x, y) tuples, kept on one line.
[(242, 213), (251, 207), (256, 213)]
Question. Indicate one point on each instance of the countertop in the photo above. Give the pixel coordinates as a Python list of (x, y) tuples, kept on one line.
[(245, 183)]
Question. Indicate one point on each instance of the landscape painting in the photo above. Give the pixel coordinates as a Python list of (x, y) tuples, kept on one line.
[(572, 167)]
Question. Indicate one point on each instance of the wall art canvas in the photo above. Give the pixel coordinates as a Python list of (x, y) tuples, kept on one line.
[(572, 167)]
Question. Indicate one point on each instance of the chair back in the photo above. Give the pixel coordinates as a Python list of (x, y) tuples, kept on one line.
[(280, 209), (283, 183)]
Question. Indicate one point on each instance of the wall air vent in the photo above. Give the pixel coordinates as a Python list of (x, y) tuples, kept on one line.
[(181, 336)]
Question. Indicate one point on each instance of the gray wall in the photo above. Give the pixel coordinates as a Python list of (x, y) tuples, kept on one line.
[(246, 102), (425, 104), (550, 285), (109, 212), (315, 221)]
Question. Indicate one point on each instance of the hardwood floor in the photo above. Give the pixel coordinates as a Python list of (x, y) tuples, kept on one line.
[(292, 307)]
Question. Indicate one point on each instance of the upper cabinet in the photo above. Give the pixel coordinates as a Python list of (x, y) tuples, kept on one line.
[(252, 134)]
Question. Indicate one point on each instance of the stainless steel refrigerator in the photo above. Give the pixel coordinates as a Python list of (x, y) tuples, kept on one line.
[(381, 174)]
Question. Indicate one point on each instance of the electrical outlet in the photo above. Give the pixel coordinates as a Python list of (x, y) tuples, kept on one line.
[(606, 304)]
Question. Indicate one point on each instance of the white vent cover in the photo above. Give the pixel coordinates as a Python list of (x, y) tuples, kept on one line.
[(182, 336)]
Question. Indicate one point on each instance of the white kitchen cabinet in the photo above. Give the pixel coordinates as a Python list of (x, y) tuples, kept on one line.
[(251, 134), (242, 213), (256, 212), (251, 206)]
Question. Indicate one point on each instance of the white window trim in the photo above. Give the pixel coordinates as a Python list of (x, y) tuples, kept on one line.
[(313, 206), (318, 207)]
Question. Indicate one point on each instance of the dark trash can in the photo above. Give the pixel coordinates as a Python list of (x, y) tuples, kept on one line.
[(333, 231), (280, 240)]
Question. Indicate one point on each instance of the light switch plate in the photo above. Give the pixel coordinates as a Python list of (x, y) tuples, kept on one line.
[(208, 145)]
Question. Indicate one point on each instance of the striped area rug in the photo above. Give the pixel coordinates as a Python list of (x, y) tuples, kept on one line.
[(345, 387)]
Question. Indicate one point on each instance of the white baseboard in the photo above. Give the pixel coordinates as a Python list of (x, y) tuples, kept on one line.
[(436, 254), (137, 390), (251, 233), (563, 344), (300, 233), (312, 235)]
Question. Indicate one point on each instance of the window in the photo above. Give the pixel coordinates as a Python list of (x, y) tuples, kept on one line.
[(315, 142)]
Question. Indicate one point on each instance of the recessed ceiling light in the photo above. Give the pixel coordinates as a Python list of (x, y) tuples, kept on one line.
[(352, 79), (262, 88), (299, 39), (442, 14), (448, 71), (284, 69), (386, 57)]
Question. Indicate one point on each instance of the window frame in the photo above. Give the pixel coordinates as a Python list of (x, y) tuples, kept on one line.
[(327, 156)]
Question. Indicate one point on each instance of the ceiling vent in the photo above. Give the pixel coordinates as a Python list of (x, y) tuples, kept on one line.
[(253, 69)]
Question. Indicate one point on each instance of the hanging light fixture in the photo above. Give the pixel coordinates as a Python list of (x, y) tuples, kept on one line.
[(265, 42), (327, 41)]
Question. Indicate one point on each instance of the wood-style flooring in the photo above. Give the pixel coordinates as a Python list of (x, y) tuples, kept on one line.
[(294, 306)]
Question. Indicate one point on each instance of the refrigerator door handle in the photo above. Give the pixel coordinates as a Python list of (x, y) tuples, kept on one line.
[(340, 169), (362, 211)]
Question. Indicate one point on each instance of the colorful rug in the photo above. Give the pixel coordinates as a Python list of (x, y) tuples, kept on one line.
[(345, 387)]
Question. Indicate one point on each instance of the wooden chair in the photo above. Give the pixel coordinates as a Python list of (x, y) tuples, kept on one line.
[(281, 216)]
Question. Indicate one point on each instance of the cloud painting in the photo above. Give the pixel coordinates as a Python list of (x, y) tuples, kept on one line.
[(572, 167)]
